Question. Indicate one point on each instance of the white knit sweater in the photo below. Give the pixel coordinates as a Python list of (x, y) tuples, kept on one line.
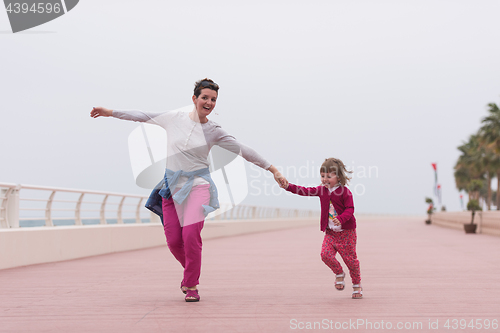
[(189, 142)]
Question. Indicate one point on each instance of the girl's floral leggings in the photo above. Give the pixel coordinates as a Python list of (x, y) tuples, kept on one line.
[(343, 242)]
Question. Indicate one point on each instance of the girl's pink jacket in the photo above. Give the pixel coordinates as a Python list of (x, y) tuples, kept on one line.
[(341, 199)]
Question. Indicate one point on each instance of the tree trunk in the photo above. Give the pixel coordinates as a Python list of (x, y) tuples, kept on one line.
[(473, 213), (488, 199)]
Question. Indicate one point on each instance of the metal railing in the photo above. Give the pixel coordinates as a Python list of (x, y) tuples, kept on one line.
[(10, 209), (11, 212)]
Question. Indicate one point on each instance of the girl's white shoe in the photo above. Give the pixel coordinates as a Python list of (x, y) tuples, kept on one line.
[(341, 283), (357, 293)]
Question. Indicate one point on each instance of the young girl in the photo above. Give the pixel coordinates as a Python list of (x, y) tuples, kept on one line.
[(337, 220)]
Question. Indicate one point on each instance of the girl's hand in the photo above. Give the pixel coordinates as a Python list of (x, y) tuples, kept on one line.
[(336, 221), (100, 112)]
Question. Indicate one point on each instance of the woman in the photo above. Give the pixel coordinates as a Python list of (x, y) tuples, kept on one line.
[(189, 193)]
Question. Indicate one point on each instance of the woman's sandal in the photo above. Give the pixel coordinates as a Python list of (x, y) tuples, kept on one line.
[(184, 289), (357, 292), (192, 295), (340, 283)]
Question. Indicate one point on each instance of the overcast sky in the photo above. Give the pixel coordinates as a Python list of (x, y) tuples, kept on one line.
[(391, 85)]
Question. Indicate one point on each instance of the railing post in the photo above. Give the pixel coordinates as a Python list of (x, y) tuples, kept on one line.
[(48, 211), (3, 207), (138, 211), (235, 212), (248, 211), (119, 216), (239, 212), (78, 215), (10, 208), (103, 210)]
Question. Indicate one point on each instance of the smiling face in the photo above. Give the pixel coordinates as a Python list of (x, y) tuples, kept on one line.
[(330, 180), (205, 103)]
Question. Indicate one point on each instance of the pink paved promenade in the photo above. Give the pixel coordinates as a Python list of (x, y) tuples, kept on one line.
[(412, 275)]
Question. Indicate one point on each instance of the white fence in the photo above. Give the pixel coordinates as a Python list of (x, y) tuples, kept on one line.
[(45, 206)]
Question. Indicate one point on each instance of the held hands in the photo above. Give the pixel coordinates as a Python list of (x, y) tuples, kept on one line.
[(100, 112), (281, 180), (278, 177)]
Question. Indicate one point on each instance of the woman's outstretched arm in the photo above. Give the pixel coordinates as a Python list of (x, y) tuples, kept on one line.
[(157, 118), (229, 142)]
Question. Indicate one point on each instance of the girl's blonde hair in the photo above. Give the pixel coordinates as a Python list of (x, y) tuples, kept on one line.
[(337, 166)]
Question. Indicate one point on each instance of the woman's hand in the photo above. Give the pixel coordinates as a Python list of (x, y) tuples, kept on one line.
[(100, 112), (278, 177), (336, 222)]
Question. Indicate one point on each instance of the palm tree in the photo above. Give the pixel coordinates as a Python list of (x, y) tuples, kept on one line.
[(479, 161), (491, 128), (462, 175), (470, 166), (495, 170), (490, 133), (489, 161)]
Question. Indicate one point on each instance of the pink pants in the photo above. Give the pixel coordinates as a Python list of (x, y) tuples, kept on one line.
[(344, 243), (183, 224)]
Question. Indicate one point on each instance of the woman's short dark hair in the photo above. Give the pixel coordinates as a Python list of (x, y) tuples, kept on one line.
[(205, 83)]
